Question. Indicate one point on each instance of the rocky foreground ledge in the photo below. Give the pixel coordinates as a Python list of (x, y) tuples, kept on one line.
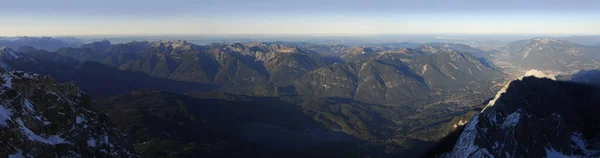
[(40, 117)]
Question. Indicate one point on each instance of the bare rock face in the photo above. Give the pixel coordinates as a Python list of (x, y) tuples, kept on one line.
[(40, 117), (535, 116), (8, 54)]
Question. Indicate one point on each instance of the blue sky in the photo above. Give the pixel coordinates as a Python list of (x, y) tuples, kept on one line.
[(349, 17)]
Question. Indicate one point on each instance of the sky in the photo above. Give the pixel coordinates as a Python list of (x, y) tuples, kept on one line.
[(297, 17)]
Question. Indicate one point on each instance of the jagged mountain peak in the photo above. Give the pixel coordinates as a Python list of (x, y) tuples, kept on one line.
[(531, 73), (535, 116), (177, 44), (244, 48), (538, 74)]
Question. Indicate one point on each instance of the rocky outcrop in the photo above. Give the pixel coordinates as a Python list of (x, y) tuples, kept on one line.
[(535, 116), (8, 54), (40, 117)]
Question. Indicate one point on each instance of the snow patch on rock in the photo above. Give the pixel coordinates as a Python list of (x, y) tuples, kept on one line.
[(579, 142), (91, 142), (5, 115), (53, 139), (466, 142), (29, 105), (19, 154), (7, 81), (551, 153), (511, 120), (78, 119)]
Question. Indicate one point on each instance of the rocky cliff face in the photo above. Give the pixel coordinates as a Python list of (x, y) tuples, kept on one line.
[(535, 116), (40, 117)]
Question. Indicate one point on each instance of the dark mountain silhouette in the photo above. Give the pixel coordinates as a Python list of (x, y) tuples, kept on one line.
[(535, 117)]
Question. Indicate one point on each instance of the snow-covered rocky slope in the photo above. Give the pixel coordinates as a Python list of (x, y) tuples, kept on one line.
[(535, 116), (40, 117)]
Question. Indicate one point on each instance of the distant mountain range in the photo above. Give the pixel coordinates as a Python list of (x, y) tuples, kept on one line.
[(455, 47), (297, 99), (225, 64), (548, 54), (386, 78), (240, 90), (46, 43), (380, 75), (95, 78)]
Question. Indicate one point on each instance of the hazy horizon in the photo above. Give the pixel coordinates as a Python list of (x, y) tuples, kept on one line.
[(317, 39), (308, 17)]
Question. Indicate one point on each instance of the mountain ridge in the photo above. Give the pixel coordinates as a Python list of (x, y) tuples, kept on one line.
[(550, 54), (535, 102), (46, 43)]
